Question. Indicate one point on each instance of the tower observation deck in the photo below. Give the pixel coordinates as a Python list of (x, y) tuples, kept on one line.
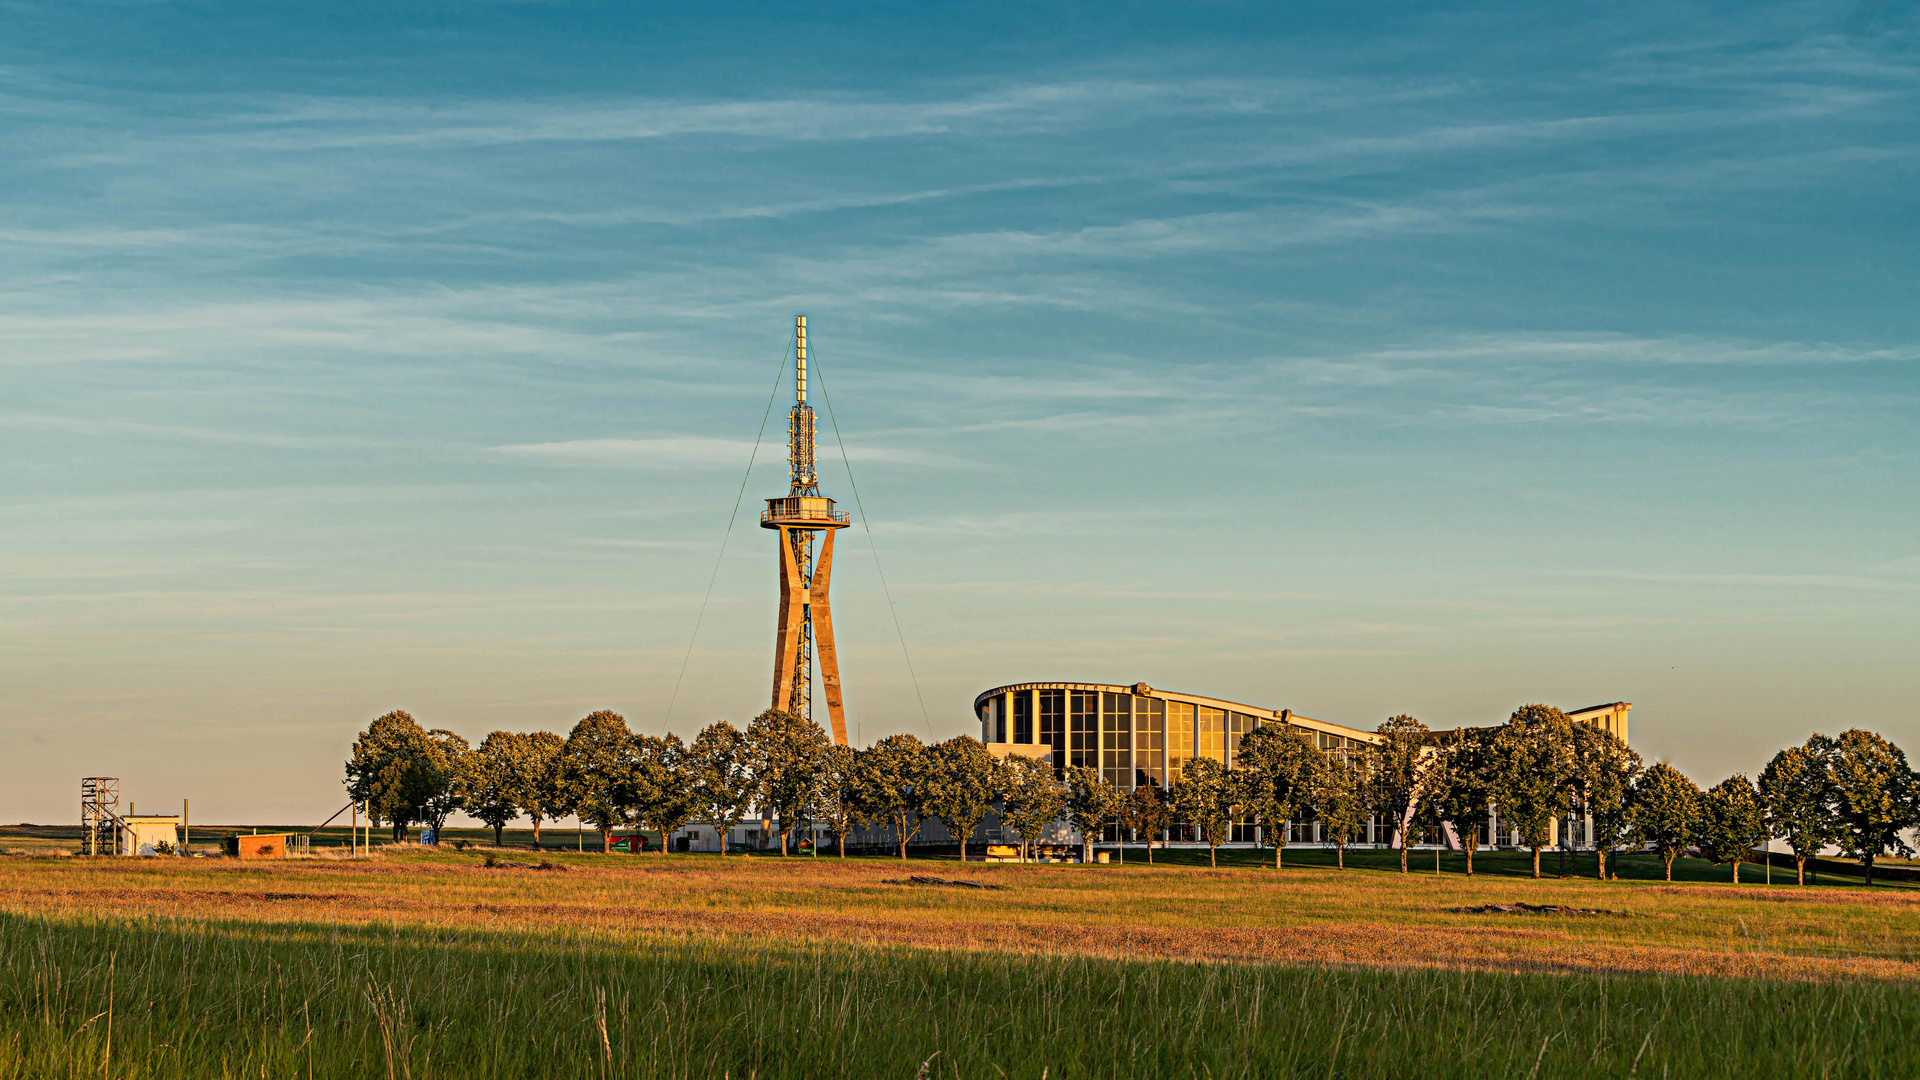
[(802, 517)]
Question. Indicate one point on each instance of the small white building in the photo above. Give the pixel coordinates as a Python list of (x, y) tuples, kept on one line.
[(143, 834)]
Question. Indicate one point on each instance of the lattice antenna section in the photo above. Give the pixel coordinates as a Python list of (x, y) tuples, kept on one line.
[(800, 463)]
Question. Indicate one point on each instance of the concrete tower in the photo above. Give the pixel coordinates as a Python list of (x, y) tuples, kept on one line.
[(806, 619)]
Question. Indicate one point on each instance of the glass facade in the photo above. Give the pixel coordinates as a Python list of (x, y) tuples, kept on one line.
[(1022, 702), (1179, 737), (1238, 724), (1083, 728), (996, 720), (1053, 724), (1116, 740), (1149, 742), (1212, 734)]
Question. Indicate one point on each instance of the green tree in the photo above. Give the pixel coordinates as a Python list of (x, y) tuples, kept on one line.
[(1603, 774), (1665, 809), (596, 768), (1091, 802), (1031, 799), (1533, 773), (530, 774), (663, 786), (895, 785), (721, 777), (1148, 811), (838, 800), (392, 772), (787, 752), (961, 785), (1277, 772), (1340, 799), (1797, 789), (1463, 786), (1733, 822), (488, 784), (1875, 797), (447, 762), (1400, 763), (1205, 795)]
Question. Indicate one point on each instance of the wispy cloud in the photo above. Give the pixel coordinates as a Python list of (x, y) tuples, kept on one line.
[(682, 451)]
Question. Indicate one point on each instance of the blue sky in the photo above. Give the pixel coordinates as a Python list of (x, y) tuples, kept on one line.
[(1429, 358)]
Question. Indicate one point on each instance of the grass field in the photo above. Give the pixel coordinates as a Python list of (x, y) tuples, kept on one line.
[(426, 964)]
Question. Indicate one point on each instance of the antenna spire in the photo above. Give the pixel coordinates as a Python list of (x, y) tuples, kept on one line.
[(800, 470)]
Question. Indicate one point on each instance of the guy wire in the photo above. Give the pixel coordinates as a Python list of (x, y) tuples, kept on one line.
[(779, 371), (866, 525)]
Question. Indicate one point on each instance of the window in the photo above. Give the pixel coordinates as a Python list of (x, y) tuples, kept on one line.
[(1022, 716), (1083, 728), (1149, 742), (1053, 726), (1213, 734), (1179, 737), (1238, 724), (1116, 742)]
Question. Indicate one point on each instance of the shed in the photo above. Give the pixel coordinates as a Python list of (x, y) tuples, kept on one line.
[(258, 846), (143, 834)]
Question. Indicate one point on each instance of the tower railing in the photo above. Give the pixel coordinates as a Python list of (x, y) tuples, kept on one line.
[(796, 514)]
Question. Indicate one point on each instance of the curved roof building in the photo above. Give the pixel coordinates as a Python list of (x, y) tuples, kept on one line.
[(1137, 735)]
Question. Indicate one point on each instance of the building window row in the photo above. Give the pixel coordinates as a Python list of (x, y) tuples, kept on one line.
[(1131, 739)]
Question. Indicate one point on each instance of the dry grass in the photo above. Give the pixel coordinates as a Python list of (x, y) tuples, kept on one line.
[(1356, 917)]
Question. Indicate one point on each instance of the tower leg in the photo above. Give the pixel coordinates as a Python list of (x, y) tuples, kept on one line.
[(793, 619), (823, 638)]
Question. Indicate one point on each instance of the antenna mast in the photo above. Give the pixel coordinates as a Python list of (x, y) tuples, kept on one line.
[(804, 515)]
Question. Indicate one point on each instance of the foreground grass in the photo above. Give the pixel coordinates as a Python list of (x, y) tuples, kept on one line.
[(159, 998), (417, 964)]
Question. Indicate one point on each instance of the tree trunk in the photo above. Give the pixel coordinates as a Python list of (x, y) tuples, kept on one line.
[(1403, 851), (1340, 853), (1278, 850), (606, 841), (1213, 854), (1868, 862), (1668, 859), (1736, 871), (900, 830), (1469, 848), (1600, 861), (496, 835), (1536, 864), (1800, 867), (536, 832), (1149, 851)]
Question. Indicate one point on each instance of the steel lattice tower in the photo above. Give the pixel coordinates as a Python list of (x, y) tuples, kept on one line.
[(806, 619)]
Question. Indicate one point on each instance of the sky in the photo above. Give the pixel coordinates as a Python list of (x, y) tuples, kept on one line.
[(1352, 359)]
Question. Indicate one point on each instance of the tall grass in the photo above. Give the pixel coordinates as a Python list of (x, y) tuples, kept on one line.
[(153, 998)]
